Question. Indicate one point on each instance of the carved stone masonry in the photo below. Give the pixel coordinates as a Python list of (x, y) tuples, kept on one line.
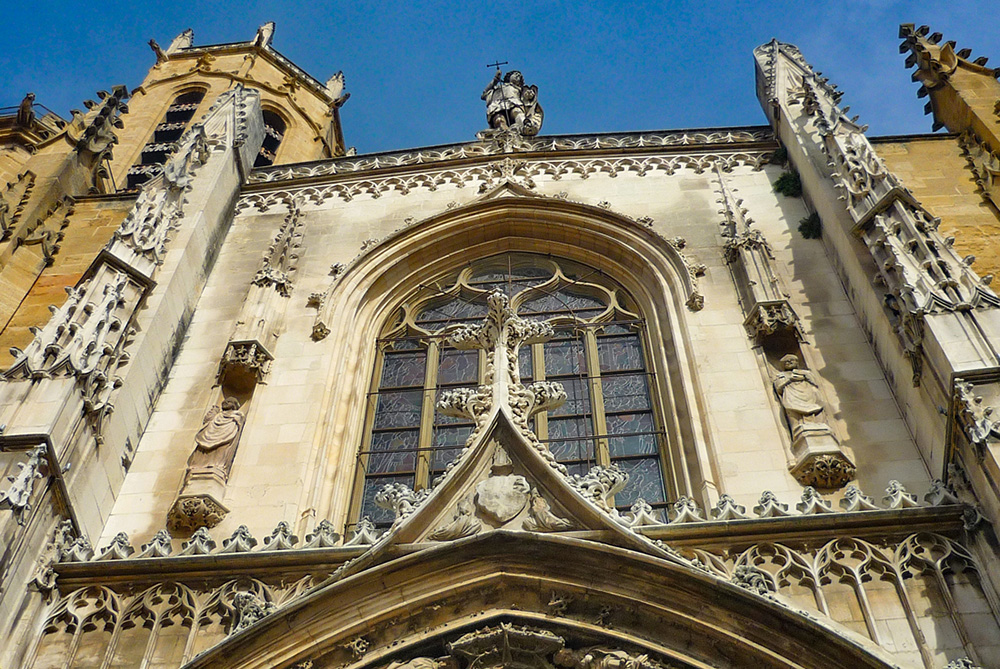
[(511, 646), (248, 609), (600, 484), (86, 338), (499, 145), (17, 496), (819, 459), (246, 359), (751, 263), (975, 420), (501, 334), (400, 499)]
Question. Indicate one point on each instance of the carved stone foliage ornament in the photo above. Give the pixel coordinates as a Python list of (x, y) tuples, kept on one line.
[(975, 420), (512, 646), (350, 165), (86, 338), (16, 496), (377, 185)]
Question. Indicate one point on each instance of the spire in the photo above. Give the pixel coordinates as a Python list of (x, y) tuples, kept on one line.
[(954, 82)]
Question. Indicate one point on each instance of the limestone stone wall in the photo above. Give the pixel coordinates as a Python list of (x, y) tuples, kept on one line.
[(298, 451), (937, 171), (304, 111), (90, 227)]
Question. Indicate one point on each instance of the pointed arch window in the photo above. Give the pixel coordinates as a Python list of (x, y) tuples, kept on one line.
[(599, 355), (274, 132), (155, 152)]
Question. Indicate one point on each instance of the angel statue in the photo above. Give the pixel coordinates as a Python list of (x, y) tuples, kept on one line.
[(510, 105)]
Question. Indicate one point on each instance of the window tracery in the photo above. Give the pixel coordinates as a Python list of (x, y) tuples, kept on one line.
[(598, 355)]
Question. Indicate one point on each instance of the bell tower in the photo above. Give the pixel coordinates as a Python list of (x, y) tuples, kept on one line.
[(301, 114)]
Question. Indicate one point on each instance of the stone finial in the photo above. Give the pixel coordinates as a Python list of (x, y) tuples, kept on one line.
[(281, 538), (812, 503), (264, 35), (641, 514), (768, 506), (324, 536), (727, 509), (78, 551), (686, 510), (940, 494), (158, 546), (118, 549), (364, 533), (896, 497), (201, 543), (241, 541), (855, 500)]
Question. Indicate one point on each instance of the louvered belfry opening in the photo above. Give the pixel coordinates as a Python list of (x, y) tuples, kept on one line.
[(274, 132), (165, 135)]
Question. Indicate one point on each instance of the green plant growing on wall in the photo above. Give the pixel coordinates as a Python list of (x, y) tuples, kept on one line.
[(779, 157), (811, 227), (788, 184)]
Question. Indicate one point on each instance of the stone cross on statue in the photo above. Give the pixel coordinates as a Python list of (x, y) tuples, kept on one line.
[(501, 334)]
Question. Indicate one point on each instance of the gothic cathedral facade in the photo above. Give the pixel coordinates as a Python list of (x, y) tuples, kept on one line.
[(642, 400)]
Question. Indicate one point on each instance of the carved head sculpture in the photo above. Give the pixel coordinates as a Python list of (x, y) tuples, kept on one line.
[(790, 361), (230, 404), (514, 77)]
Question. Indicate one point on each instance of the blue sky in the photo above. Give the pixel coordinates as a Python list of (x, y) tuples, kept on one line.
[(416, 71)]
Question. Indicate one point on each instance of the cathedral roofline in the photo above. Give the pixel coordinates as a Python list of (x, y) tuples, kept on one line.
[(259, 44), (733, 138)]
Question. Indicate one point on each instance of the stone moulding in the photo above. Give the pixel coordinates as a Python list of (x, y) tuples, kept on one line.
[(571, 143), (81, 569), (490, 211), (485, 173)]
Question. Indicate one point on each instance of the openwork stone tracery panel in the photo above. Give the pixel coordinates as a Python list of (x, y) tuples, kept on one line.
[(597, 354), (921, 598), (161, 626)]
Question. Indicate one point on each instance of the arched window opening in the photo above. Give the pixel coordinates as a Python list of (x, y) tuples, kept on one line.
[(274, 132), (598, 355), (155, 152)]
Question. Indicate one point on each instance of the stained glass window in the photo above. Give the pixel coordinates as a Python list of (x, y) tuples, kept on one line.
[(597, 355)]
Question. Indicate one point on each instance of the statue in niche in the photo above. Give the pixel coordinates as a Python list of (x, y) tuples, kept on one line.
[(216, 441), (510, 105), (800, 397)]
